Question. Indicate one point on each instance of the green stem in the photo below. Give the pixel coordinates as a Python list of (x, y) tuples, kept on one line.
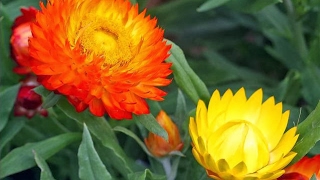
[(298, 36), (166, 163)]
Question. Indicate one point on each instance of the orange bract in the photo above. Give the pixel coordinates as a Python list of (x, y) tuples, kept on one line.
[(304, 169), (158, 146), (100, 54)]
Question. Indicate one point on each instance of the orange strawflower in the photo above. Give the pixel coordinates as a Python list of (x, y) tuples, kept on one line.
[(19, 40), (303, 169), (158, 146), (101, 54)]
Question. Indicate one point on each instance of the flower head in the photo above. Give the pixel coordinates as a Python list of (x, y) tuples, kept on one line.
[(303, 169), (28, 103), (101, 54), (158, 146), (240, 138), (19, 40)]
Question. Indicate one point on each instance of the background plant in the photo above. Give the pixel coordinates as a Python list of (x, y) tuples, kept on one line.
[(225, 44)]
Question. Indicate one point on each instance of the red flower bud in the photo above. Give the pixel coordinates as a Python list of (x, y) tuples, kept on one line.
[(19, 40), (28, 103)]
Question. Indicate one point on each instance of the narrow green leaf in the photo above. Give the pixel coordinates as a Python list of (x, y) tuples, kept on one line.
[(101, 129), (45, 171), (210, 4), (289, 88), (149, 122), (146, 175), (251, 6), (314, 177), (11, 129), (185, 77), (242, 73), (7, 99), (7, 76), (51, 100), (90, 164), (273, 20), (134, 136), (181, 110), (309, 134), (21, 158), (314, 52), (13, 8), (42, 91), (310, 79)]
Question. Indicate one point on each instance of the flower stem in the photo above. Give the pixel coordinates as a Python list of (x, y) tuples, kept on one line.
[(167, 167), (298, 36)]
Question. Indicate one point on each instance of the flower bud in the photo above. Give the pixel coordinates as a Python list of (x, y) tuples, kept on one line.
[(28, 103), (240, 138), (158, 146), (19, 40)]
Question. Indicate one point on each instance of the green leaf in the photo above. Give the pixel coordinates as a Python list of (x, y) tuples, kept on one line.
[(13, 8), (251, 6), (284, 52), (42, 91), (314, 52), (21, 158), (149, 122), (101, 129), (310, 79), (146, 175), (51, 100), (189, 168), (7, 76), (181, 110), (241, 73), (210, 4), (289, 89), (314, 177), (7, 99), (185, 77), (49, 97), (274, 21), (45, 171), (11, 129), (90, 164), (134, 136), (309, 134)]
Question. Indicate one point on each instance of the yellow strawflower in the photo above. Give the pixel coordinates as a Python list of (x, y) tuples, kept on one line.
[(240, 138)]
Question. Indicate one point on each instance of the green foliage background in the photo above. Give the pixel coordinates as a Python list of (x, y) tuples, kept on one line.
[(269, 44)]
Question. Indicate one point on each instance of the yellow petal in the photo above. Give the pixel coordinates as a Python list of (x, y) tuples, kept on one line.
[(201, 119), (198, 157), (256, 150), (223, 165), (213, 108), (240, 169), (269, 120), (278, 164), (193, 131), (285, 145), (236, 106), (219, 110), (253, 107)]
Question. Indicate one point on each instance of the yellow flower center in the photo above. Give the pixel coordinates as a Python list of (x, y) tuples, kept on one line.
[(106, 39)]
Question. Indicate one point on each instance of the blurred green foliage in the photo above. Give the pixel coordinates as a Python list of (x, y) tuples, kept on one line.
[(228, 44)]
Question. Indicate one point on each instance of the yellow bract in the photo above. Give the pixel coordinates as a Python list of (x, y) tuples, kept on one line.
[(240, 138)]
